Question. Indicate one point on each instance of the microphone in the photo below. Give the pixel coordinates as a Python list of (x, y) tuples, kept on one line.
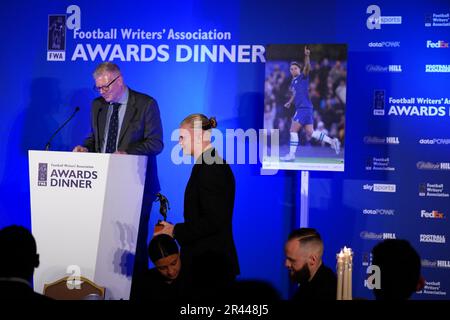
[(47, 146)]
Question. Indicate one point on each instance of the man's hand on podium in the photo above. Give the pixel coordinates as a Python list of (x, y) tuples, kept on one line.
[(80, 149), (120, 152), (167, 229)]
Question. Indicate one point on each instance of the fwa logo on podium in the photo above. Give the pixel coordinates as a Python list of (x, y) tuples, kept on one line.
[(56, 33), (42, 174), (64, 175)]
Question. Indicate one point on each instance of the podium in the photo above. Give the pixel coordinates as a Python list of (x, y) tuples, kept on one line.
[(85, 212)]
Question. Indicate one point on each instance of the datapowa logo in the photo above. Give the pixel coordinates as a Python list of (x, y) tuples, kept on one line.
[(384, 44), (442, 141), (381, 212)]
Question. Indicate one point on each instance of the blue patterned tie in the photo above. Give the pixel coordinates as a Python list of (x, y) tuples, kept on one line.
[(113, 129)]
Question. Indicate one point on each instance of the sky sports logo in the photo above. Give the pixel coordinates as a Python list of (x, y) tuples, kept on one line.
[(375, 20), (437, 45), (380, 187)]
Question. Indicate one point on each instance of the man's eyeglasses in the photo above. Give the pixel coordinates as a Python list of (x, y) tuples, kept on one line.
[(105, 88)]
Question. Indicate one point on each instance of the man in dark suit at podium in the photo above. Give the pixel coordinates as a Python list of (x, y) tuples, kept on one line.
[(124, 121)]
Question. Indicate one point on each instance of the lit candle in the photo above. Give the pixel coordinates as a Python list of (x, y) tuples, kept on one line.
[(340, 267), (345, 280), (348, 264), (350, 273)]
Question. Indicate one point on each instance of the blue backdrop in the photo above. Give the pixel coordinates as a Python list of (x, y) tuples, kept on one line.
[(386, 62)]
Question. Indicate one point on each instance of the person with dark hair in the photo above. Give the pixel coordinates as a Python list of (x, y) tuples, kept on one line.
[(400, 266), (206, 235), (18, 260), (124, 121), (164, 282), (304, 250)]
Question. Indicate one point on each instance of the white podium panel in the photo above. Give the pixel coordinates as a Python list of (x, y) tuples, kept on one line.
[(85, 211)]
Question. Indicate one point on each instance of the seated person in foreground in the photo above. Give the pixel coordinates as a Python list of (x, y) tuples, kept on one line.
[(399, 265), (164, 282), (304, 250), (18, 260)]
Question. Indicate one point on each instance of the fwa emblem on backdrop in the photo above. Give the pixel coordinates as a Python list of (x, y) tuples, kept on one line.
[(56, 33)]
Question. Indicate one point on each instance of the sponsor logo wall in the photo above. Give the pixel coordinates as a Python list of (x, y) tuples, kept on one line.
[(404, 141)]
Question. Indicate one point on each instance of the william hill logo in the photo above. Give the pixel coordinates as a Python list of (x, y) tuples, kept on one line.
[(381, 140), (367, 235), (444, 264), (66, 176), (427, 165)]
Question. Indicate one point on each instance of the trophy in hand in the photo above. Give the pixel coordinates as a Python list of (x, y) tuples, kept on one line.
[(163, 207)]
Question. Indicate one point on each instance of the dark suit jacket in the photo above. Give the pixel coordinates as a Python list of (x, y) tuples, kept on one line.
[(152, 286), (140, 134), (206, 236), (321, 287), (10, 290)]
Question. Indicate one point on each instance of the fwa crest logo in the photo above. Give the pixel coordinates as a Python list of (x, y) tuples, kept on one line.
[(42, 174), (56, 33)]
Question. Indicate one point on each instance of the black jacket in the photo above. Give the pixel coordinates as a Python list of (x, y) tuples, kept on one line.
[(11, 290), (321, 287), (206, 236), (141, 132)]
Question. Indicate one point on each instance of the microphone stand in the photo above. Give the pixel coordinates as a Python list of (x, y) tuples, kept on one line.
[(47, 146)]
